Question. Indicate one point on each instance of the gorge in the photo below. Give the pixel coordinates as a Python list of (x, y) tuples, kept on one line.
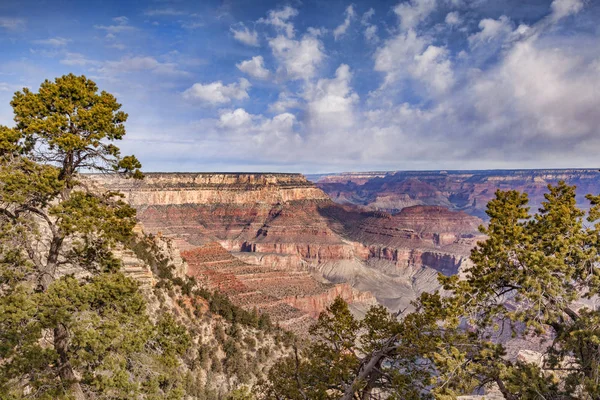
[(280, 243)]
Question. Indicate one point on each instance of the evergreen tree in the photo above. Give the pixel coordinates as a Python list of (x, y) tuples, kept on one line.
[(530, 278), (71, 325)]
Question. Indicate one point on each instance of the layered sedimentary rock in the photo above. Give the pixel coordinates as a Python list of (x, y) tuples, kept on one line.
[(402, 254), (469, 191), (289, 295), (289, 247), (274, 217)]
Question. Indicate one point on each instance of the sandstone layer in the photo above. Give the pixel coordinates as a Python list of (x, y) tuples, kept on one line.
[(277, 242), (469, 191)]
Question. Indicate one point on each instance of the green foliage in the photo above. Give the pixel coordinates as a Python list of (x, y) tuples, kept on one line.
[(364, 359), (63, 337), (525, 278), (71, 125)]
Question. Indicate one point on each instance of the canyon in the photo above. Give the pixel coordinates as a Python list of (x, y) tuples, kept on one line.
[(288, 246), (278, 243), (467, 191)]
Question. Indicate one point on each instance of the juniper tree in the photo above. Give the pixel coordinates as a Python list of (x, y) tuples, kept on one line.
[(533, 276), (70, 323)]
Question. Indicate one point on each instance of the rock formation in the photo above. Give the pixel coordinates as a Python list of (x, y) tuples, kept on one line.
[(277, 242), (458, 190)]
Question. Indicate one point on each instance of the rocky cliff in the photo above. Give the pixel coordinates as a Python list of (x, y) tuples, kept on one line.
[(458, 190), (277, 242)]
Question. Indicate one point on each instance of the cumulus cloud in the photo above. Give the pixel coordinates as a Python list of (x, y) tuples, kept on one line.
[(235, 119), (544, 92), (285, 102), (453, 18), (434, 69), (491, 29), (242, 34), (370, 31), (409, 56), (330, 102), (413, 12), (299, 59), (280, 20), (217, 92), (341, 29), (254, 67)]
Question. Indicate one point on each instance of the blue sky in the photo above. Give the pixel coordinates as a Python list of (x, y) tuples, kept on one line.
[(323, 86)]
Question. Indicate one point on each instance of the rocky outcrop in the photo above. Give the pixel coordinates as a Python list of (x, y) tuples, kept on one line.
[(210, 188), (458, 190)]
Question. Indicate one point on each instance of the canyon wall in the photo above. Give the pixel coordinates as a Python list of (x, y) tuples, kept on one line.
[(277, 242), (469, 191)]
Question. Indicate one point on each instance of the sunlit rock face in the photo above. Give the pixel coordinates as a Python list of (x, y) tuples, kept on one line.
[(278, 242), (468, 191)]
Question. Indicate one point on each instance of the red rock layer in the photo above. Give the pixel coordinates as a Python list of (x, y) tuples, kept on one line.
[(288, 295), (460, 190)]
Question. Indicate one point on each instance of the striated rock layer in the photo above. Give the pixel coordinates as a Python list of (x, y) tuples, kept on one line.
[(280, 243), (469, 191)]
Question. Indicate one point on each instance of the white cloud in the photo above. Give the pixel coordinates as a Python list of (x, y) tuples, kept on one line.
[(122, 20), (366, 17), (491, 29), (12, 24), (371, 33), (408, 56), (434, 69), (299, 59), (564, 8), (217, 92), (122, 25), (544, 92), (280, 19), (370, 29), (235, 119), (397, 54), (56, 41), (245, 35), (330, 102), (285, 102), (413, 12), (77, 59), (254, 67), (453, 18), (192, 25), (138, 64), (341, 29)]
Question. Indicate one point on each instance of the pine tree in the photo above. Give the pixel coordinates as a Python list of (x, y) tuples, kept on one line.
[(71, 325)]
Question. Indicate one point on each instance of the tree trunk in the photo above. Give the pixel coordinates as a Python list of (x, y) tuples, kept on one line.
[(65, 370), (364, 373), (61, 334), (507, 395), (48, 274)]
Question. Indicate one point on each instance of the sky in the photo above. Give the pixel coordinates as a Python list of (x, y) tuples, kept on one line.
[(318, 86)]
